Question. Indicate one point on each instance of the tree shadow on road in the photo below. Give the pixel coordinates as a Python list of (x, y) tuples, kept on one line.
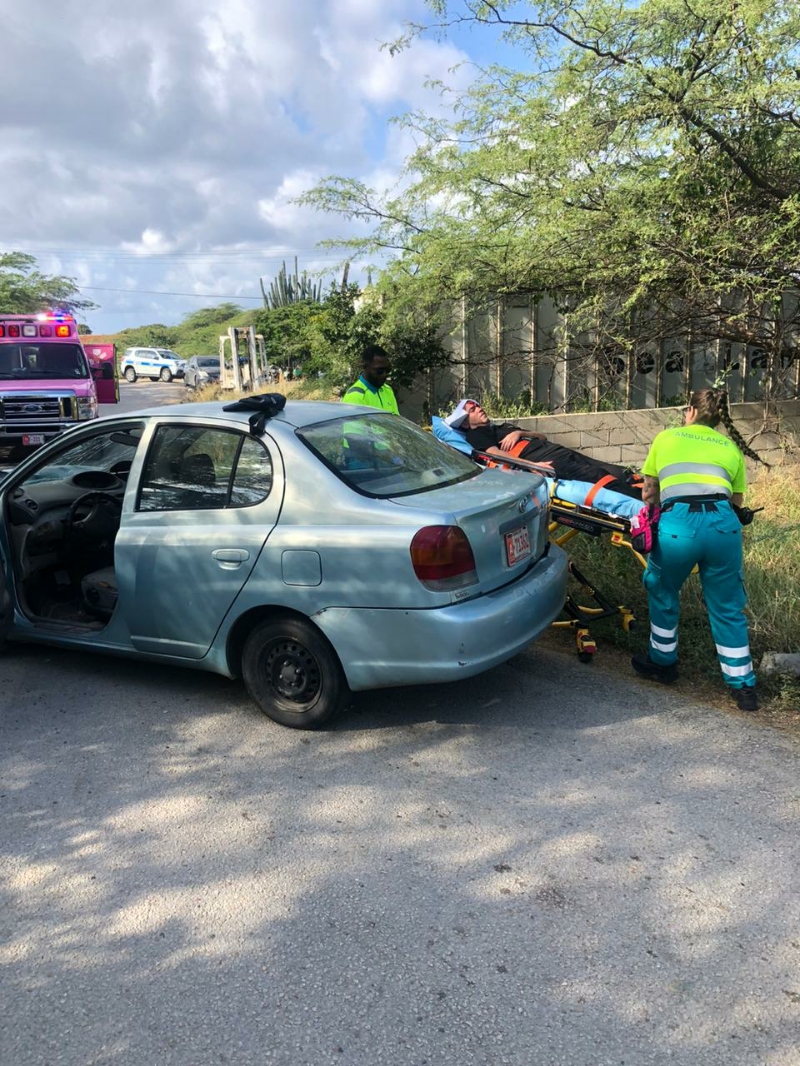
[(527, 867)]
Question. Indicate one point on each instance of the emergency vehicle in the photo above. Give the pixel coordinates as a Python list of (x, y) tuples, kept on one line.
[(47, 382)]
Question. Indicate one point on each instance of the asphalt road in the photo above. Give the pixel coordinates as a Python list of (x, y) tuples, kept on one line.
[(545, 866), (143, 394)]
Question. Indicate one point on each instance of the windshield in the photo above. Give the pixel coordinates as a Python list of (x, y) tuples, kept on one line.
[(103, 451), (42, 360), (385, 455), (167, 353), (209, 362)]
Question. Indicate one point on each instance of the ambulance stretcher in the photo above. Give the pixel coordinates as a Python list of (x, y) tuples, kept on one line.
[(567, 521)]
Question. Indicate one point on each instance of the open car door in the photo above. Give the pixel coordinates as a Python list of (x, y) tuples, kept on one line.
[(103, 364), (6, 605)]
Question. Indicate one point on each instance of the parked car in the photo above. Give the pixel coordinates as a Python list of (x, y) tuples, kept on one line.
[(325, 550), (154, 363), (200, 370)]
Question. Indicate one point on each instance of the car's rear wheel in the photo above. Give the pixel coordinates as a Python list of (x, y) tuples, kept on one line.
[(166, 374), (130, 374), (293, 674)]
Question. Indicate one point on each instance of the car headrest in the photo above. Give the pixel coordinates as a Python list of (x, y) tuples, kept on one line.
[(198, 469)]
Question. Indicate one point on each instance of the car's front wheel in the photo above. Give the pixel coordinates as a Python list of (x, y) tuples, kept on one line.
[(130, 374), (293, 674), (166, 374)]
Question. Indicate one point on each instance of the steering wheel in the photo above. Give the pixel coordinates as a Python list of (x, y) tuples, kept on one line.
[(94, 515)]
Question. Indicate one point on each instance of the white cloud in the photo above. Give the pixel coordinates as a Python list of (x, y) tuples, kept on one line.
[(159, 143), (152, 243)]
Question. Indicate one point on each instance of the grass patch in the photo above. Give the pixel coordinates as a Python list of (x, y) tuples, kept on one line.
[(293, 390), (772, 576)]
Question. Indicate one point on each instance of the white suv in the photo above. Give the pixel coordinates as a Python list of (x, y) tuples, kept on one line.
[(153, 363)]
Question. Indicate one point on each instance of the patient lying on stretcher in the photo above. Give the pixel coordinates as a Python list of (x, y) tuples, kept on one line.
[(580, 479)]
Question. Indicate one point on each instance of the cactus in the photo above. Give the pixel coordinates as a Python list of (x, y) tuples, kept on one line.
[(285, 290)]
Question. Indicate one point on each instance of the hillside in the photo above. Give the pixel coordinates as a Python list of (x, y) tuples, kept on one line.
[(198, 334)]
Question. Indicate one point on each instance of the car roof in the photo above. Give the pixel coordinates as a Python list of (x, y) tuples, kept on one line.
[(295, 415)]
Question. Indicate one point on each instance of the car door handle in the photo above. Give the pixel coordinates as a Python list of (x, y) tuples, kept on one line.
[(231, 558)]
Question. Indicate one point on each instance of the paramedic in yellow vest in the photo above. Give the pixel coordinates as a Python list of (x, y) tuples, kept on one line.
[(697, 476), (371, 389)]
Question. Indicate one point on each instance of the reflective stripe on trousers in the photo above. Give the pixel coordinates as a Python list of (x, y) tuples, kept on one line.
[(712, 540)]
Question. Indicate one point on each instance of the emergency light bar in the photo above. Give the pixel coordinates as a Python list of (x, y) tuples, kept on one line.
[(52, 324)]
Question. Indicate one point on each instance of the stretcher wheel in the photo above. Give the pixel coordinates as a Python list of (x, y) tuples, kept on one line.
[(585, 644)]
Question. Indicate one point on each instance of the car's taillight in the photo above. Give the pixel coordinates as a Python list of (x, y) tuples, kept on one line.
[(443, 559)]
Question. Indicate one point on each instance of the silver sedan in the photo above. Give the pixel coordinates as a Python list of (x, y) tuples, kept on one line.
[(201, 370), (315, 551)]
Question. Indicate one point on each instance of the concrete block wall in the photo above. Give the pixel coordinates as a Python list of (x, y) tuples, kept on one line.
[(624, 436)]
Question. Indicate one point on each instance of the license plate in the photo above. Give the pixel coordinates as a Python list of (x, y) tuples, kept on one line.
[(518, 545), (33, 438)]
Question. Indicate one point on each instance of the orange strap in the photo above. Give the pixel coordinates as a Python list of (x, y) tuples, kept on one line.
[(519, 448), (515, 453), (593, 491)]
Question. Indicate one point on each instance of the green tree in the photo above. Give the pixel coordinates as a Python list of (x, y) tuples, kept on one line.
[(640, 162), (328, 338), (23, 289), (210, 316), (154, 335), (350, 320), (285, 330)]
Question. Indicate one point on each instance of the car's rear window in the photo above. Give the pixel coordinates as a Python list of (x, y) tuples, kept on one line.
[(385, 455)]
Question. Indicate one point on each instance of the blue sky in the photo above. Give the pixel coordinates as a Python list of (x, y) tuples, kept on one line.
[(156, 147)]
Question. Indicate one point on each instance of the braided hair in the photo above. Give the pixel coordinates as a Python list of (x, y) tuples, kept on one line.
[(712, 408)]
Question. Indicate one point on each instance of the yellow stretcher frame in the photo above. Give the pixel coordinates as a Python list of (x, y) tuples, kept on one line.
[(567, 521)]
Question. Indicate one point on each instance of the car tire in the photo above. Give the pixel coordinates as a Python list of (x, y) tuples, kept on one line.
[(166, 374), (293, 674), (130, 374)]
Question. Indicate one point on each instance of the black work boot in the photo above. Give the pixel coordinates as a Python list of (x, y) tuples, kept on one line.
[(746, 698), (645, 667)]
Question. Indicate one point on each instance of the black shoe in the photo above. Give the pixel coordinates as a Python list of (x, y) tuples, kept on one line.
[(746, 698), (645, 667)]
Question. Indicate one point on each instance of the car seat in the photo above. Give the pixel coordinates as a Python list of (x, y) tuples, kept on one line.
[(198, 470)]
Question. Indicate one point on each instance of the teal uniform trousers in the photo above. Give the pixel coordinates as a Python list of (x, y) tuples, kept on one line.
[(709, 535)]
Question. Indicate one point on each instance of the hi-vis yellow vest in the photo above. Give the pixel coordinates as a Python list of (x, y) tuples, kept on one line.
[(695, 461), (364, 394)]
